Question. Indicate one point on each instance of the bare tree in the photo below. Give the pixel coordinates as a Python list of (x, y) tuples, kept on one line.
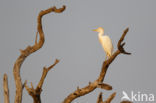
[(36, 92)]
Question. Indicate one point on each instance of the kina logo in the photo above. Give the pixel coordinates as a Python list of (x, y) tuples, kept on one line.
[(137, 97)]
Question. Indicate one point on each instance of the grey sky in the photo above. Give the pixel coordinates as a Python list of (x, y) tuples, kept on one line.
[(69, 37)]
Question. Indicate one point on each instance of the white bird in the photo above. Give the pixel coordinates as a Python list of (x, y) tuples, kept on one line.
[(105, 41)]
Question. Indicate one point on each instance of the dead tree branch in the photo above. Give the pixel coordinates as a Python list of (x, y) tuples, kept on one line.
[(6, 89), (109, 99), (35, 93), (44, 74), (29, 50), (99, 99), (99, 82)]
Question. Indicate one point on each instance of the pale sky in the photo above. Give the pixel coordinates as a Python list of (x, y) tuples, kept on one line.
[(69, 37)]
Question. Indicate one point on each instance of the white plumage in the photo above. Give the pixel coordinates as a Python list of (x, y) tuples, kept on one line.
[(105, 41)]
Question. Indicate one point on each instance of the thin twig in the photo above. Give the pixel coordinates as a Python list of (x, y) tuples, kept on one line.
[(44, 73), (110, 98)]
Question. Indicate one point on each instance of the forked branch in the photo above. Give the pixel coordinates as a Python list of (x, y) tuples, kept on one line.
[(99, 99), (99, 82), (108, 100), (35, 93), (44, 74), (29, 50)]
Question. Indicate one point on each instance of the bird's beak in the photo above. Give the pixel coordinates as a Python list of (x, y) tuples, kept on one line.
[(94, 29)]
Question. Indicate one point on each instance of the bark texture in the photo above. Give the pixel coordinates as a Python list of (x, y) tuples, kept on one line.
[(6, 89)]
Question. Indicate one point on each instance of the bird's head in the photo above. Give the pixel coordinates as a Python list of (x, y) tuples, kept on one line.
[(100, 29)]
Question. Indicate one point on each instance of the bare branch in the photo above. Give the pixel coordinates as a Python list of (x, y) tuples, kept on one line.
[(92, 86), (99, 100), (29, 50), (35, 93), (104, 86), (44, 74), (109, 99), (6, 89), (120, 46), (36, 37), (32, 86)]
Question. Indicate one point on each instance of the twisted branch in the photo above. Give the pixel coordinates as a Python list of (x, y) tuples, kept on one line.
[(29, 50), (97, 83), (35, 93)]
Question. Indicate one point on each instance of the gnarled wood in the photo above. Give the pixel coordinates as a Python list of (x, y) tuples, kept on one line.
[(92, 86), (29, 50), (35, 93)]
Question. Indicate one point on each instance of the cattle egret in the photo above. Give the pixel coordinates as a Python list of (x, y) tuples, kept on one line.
[(105, 42)]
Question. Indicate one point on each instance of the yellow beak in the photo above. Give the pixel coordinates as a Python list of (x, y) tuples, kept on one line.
[(94, 29)]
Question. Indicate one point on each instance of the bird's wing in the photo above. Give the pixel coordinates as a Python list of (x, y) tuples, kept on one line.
[(107, 44)]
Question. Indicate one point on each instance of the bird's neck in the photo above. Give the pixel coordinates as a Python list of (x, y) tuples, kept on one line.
[(101, 34)]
